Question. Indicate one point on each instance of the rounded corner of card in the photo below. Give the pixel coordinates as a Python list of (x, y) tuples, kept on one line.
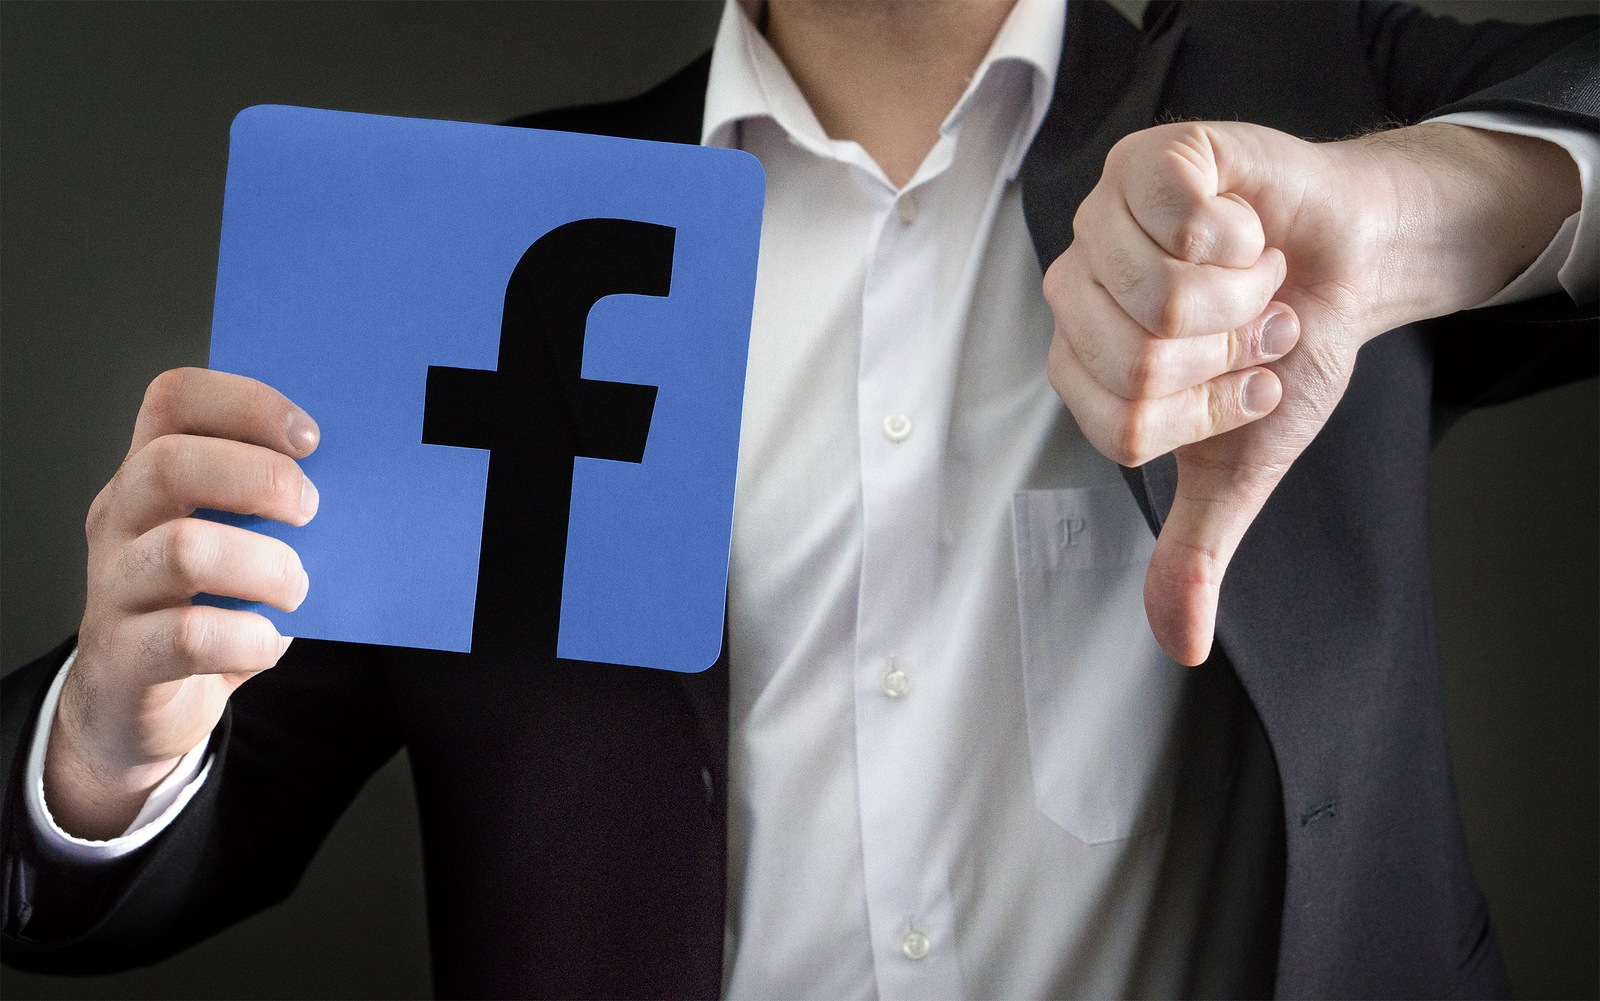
[(703, 657), (746, 167), (249, 117)]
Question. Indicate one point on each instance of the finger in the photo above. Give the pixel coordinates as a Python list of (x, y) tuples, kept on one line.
[(1177, 197), (179, 559), (175, 643), (175, 475), (1134, 364), (1215, 505), (197, 401), (1132, 432), (1171, 297)]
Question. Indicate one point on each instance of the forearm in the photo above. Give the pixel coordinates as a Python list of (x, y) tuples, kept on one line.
[(1472, 209)]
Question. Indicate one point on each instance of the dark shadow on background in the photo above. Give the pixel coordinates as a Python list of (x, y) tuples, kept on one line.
[(113, 132)]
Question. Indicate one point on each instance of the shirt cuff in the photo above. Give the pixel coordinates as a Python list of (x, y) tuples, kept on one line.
[(1572, 260), (163, 804)]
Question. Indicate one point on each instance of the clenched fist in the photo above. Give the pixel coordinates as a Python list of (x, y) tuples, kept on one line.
[(1222, 278), (153, 671)]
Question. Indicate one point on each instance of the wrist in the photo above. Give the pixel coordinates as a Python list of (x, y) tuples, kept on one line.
[(92, 790), (1465, 211)]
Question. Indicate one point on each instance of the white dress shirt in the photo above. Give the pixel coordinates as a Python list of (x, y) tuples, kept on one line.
[(951, 728), (954, 744)]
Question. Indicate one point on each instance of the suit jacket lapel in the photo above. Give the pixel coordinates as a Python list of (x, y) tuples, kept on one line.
[(671, 111), (1109, 84), (676, 115)]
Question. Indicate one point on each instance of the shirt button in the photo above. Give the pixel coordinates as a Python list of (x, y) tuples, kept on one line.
[(915, 945), (897, 427), (907, 208), (895, 683)]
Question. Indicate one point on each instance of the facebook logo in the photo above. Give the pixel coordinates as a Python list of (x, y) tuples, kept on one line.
[(526, 351)]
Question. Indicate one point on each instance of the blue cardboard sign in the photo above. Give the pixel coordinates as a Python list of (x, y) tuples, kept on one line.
[(526, 351)]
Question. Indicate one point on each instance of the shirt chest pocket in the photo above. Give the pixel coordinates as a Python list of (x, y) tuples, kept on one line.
[(1102, 699)]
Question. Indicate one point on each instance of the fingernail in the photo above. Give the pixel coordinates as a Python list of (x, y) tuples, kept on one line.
[(302, 431), (1279, 334), (1260, 395), (309, 498)]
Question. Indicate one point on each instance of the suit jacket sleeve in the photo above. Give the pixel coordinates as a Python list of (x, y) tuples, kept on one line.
[(1434, 65), (294, 747), (1431, 66), (291, 751)]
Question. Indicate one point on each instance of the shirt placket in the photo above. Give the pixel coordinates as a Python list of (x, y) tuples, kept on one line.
[(908, 363)]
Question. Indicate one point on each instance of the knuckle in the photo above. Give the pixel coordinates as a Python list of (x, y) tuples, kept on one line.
[(1245, 344), (1058, 279), (1055, 365), (159, 464), (1131, 438), (1166, 198), (1124, 273), (135, 561), (157, 649), (1119, 152), (279, 482), (1083, 220), (193, 635), (1135, 148), (283, 566), (1146, 374), (1088, 345), (1080, 222), (248, 641), (159, 396), (254, 645), (163, 398), (1176, 310), (1195, 239), (267, 409), (266, 641), (1258, 290), (99, 511), (1220, 409), (188, 552)]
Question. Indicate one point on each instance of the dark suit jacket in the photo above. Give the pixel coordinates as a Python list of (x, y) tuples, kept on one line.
[(573, 814)]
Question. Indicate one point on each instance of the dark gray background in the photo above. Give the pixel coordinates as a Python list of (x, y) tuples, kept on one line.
[(113, 145)]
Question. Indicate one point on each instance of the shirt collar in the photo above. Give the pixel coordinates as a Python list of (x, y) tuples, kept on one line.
[(748, 80)]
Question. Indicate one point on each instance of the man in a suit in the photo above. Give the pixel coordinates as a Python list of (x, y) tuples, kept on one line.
[(949, 725)]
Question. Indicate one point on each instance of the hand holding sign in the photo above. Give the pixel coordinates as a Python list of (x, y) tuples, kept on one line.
[(526, 343), (153, 672)]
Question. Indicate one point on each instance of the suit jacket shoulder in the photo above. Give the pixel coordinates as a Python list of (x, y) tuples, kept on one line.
[(671, 111)]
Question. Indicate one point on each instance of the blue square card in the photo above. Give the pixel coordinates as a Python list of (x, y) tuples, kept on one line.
[(547, 327)]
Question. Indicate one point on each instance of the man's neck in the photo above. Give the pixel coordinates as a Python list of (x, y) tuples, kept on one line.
[(884, 73)]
